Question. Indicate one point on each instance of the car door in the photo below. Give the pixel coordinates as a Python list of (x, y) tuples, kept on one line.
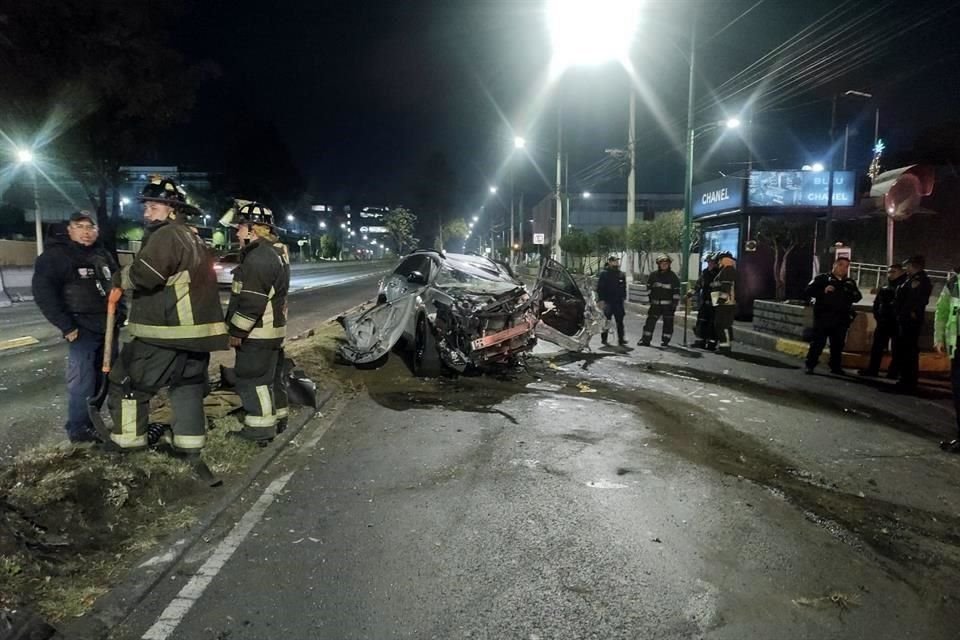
[(568, 318), (398, 284), (372, 332)]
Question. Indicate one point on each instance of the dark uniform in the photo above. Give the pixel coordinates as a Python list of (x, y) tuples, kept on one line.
[(706, 338), (175, 321), (911, 308), (723, 295), (831, 317), (885, 314), (664, 290), (612, 292), (257, 314), (70, 285)]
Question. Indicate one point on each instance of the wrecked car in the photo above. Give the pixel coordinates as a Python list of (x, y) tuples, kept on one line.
[(460, 312)]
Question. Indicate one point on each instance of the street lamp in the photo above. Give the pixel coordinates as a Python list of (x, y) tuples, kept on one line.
[(323, 225), (591, 32), (586, 194), (476, 218), (25, 156), (493, 190), (289, 217), (519, 142)]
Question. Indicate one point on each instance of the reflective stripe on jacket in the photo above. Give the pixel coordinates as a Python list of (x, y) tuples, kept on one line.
[(258, 302), (176, 301), (664, 288)]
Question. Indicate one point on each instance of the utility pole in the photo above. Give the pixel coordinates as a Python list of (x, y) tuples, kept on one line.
[(631, 179), (558, 227), (688, 183)]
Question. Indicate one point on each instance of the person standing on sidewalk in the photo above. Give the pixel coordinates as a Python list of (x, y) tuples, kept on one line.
[(911, 307), (834, 294), (885, 314), (71, 280), (723, 296), (663, 286), (611, 294), (945, 331), (257, 322), (176, 321), (706, 339)]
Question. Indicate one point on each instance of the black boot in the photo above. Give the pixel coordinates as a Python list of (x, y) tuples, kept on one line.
[(603, 337), (622, 341), (200, 468)]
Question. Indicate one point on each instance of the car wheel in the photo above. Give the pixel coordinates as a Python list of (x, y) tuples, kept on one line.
[(426, 358)]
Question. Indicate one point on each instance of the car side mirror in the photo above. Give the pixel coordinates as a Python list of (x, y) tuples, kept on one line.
[(416, 277)]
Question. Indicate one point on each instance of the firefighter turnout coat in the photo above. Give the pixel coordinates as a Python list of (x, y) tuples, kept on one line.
[(257, 314)]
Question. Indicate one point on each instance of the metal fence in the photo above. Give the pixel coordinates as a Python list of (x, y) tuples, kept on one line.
[(873, 276)]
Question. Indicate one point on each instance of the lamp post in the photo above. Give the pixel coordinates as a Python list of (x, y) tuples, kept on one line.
[(25, 157), (519, 143), (590, 32)]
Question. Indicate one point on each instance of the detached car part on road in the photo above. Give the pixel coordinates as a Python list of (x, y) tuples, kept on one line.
[(462, 312)]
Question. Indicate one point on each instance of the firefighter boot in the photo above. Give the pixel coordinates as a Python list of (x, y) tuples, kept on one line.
[(200, 468), (603, 338)]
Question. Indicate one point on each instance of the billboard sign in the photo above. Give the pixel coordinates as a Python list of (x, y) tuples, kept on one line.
[(717, 196), (801, 189)]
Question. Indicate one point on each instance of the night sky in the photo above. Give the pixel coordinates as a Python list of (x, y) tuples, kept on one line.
[(362, 92)]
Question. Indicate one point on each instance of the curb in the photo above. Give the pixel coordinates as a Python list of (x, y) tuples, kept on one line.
[(112, 609)]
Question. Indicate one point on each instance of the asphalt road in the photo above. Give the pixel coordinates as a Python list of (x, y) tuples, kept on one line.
[(32, 386), (649, 493)]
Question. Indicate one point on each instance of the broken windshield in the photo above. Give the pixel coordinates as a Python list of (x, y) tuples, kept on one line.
[(481, 276)]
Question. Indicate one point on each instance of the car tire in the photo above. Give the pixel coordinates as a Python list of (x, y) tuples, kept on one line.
[(426, 359)]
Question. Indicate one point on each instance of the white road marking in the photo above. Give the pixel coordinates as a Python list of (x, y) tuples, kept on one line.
[(175, 612)]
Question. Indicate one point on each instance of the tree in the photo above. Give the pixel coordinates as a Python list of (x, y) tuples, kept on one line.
[(89, 83), (455, 230), (783, 237), (400, 223), (608, 240), (329, 247), (666, 232), (577, 244), (129, 230)]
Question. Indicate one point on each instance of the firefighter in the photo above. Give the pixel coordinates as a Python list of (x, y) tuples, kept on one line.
[(834, 294), (706, 339), (723, 297), (257, 321), (175, 322), (911, 307), (663, 286)]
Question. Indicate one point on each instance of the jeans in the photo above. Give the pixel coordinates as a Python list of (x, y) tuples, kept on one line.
[(84, 360), (616, 311)]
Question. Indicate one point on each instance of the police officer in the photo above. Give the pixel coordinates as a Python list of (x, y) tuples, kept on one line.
[(835, 294), (175, 322), (945, 332), (723, 296), (71, 280), (911, 306), (611, 294), (663, 286), (257, 321), (885, 314), (706, 339)]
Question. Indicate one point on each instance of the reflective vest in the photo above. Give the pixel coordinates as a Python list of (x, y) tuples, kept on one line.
[(258, 298), (946, 321), (176, 301)]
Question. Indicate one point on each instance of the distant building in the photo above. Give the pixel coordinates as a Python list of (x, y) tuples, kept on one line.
[(592, 212)]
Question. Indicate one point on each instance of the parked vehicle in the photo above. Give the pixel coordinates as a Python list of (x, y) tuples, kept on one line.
[(461, 311), (224, 266)]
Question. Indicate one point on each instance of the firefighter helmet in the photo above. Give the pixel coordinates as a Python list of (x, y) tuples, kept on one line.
[(166, 191), (710, 256), (663, 258), (254, 213), (724, 254)]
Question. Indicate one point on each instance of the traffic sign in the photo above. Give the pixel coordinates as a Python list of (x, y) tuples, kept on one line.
[(539, 238)]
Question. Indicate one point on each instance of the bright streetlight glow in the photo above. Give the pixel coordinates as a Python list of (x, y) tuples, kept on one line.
[(24, 156), (323, 225), (470, 225), (124, 200), (373, 242), (493, 189), (519, 142), (476, 218), (816, 167), (365, 237), (587, 194), (289, 217), (343, 225), (588, 32), (732, 123), (353, 233)]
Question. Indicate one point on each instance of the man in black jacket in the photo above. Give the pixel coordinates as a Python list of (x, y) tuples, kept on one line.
[(611, 293), (71, 280), (706, 338), (911, 307), (835, 294), (885, 313)]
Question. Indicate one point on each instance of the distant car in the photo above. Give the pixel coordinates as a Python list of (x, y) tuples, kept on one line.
[(459, 312), (224, 266)]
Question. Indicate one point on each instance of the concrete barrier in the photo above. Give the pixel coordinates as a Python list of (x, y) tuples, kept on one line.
[(16, 283), (638, 293)]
